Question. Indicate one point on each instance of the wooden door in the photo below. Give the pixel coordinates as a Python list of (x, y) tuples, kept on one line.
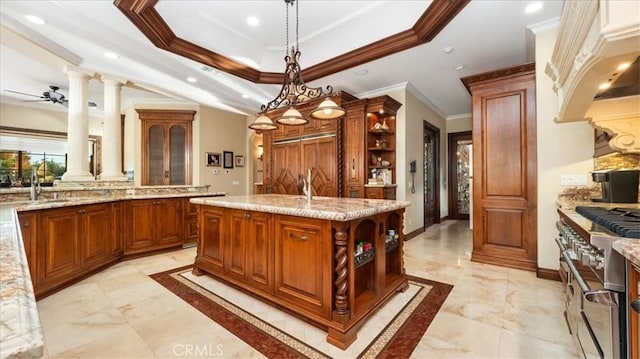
[(168, 217), (459, 162), (504, 168), (59, 248), (302, 263), (431, 167), (320, 155), (97, 232), (166, 147), (285, 163)]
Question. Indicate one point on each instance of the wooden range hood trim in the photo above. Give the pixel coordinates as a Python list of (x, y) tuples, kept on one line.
[(143, 15)]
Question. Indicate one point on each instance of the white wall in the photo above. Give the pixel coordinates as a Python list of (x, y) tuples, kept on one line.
[(561, 149), (460, 124), (43, 119)]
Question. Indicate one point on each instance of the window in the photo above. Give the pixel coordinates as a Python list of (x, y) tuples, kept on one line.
[(21, 151)]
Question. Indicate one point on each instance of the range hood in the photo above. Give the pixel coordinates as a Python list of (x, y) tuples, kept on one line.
[(594, 39)]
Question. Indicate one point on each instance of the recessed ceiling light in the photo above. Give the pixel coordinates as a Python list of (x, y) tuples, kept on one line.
[(604, 86), (111, 55), (253, 21), (34, 19), (458, 67), (192, 79), (623, 66), (447, 50), (361, 72), (533, 7), (245, 96)]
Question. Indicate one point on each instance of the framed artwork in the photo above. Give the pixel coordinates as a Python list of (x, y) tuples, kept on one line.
[(228, 159), (213, 159), (239, 161)]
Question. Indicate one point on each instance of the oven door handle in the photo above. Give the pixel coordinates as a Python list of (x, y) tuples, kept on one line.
[(603, 296), (559, 243)]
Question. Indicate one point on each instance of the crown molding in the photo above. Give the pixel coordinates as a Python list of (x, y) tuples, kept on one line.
[(457, 117)]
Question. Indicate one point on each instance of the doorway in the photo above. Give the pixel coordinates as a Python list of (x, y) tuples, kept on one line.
[(431, 165), (459, 149)]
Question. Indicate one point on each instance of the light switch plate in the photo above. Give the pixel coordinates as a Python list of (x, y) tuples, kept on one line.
[(573, 180), (235, 183)]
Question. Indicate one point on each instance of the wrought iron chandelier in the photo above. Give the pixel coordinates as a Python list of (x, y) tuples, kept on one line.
[(294, 92)]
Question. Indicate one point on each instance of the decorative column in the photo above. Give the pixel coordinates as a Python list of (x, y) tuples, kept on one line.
[(78, 126), (112, 131)]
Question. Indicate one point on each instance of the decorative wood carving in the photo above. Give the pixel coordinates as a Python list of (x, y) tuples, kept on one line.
[(144, 16), (340, 299)]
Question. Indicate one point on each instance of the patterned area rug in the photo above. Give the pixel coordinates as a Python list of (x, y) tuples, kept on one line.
[(393, 332)]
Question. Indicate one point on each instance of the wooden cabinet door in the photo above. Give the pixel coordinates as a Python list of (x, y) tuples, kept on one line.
[(321, 156), (59, 248), (302, 263), (169, 230), (236, 255), (166, 146), (285, 168), (259, 251), (504, 168), (354, 170), (28, 229), (97, 232), (191, 223), (211, 246), (140, 225)]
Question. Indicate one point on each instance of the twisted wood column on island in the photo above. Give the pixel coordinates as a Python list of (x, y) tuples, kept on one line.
[(341, 296)]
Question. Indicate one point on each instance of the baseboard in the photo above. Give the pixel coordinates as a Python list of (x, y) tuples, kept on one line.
[(546, 273), (443, 219), (413, 234)]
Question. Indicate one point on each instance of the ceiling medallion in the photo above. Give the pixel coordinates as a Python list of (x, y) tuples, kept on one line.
[(295, 92)]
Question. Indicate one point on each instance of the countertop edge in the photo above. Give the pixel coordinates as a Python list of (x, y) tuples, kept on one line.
[(319, 208), (22, 335)]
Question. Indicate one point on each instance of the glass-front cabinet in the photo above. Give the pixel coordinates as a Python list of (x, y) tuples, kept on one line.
[(166, 147)]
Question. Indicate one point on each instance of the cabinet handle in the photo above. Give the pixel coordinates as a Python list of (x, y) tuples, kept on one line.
[(26, 224), (81, 211), (213, 220), (295, 236), (247, 215), (353, 164), (166, 174)]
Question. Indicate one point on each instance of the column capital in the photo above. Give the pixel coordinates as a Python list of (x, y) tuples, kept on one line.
[(113, 80), (78, 73)]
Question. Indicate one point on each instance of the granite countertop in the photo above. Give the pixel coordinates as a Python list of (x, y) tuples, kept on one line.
[(330, 208), (381, 185), (21, 333), (629, 248)]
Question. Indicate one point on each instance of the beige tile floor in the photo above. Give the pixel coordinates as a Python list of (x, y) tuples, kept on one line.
[(492, 312)]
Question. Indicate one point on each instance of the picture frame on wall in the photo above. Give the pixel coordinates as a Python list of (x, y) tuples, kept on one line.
[(213, 159), (227, 159), (239, 161)]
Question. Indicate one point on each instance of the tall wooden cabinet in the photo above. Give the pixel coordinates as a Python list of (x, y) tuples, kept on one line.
[(504, 167), (166, 147)]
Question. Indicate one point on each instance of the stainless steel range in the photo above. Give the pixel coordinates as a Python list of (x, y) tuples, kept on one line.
[(594, 277)]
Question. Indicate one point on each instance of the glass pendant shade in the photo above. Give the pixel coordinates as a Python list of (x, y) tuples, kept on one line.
[(292, 117), (263, 123), (327, 110)]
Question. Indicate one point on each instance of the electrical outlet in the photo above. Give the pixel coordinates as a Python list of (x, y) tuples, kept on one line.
[(573, 180), (215, 172)]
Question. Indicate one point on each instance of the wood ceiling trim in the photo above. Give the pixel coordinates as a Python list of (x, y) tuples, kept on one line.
[(144, 16), (500, 74)]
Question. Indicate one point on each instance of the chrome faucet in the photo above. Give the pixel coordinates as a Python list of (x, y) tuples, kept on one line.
[(306, 189), (35, 184)]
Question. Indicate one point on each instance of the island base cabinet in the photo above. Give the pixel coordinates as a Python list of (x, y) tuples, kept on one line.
[(303, 263)]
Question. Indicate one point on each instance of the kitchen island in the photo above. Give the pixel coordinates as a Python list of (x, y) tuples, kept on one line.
[(332, 261)]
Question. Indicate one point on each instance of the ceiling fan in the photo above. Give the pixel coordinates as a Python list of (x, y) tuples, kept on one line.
[(52, 96)]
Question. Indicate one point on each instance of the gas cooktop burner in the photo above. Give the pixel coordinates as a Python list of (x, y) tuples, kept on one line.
[(624, 222)]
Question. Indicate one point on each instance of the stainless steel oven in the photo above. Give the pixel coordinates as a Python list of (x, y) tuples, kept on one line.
[(596, 313)]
